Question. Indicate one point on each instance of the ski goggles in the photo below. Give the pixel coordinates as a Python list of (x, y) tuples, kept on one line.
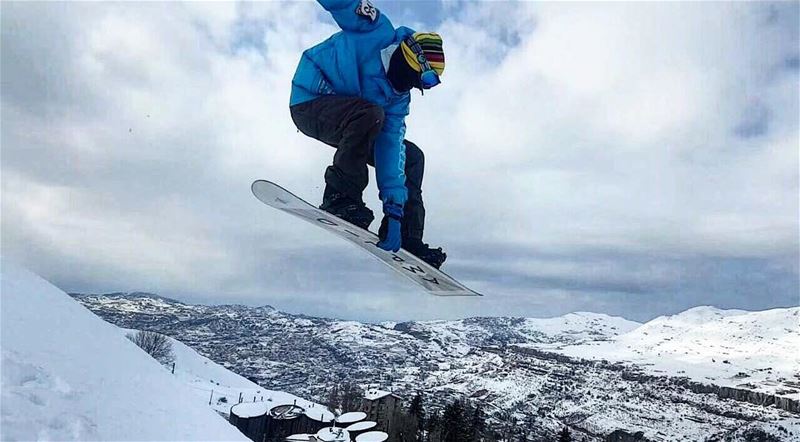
[(428, 77)]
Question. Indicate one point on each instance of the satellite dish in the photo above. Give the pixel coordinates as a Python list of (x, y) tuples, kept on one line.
[(249, 409), (315, 415), (373, 436), (362, 426), (351, 417), (332, 434), (286, 411)]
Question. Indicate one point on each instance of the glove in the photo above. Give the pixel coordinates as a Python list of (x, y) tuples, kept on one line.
[(391, 240)]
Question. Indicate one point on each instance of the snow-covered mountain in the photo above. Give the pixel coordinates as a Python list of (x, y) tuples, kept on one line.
[(68, 375), (595, 373), (756, 351)]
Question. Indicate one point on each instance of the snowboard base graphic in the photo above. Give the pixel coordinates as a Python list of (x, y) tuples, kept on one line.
[(432, 280)]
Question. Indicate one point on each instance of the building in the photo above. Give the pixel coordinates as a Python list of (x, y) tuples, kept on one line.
[(381, 407)]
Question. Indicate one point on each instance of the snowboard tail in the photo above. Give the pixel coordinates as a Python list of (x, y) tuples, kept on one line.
[(432, 280)]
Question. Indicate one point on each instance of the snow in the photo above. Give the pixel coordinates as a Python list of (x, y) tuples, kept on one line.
[(331, 434), (353, 416), (375, 394), (68, 375), (581, 323), (210, 380), (459, 337), (706, 344), (319, 413), (372, 436), (250, 409), (361, 426)]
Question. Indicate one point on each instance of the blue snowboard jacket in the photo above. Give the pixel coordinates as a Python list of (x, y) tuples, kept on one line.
[(352, 62)]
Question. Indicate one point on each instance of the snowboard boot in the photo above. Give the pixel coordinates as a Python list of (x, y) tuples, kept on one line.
[(434, 257), (415, 246), (346, 208)]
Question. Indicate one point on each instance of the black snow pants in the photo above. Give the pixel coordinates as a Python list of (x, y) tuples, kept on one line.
[(351, 125)]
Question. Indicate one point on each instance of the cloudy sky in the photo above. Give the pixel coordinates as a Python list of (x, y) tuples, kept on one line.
[(635, 159)]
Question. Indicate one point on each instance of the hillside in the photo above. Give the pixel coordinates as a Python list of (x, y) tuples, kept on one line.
[(68, 375), (753, 350), (515, 368), (214, 383)]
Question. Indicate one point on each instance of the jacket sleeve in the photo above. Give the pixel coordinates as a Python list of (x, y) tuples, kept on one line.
[(353, 15), (390, 154)]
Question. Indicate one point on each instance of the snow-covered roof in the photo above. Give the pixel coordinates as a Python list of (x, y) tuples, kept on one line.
[(250, 409), (375, 394)]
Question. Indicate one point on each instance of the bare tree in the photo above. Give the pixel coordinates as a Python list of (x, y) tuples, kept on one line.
[(334, 399), (155, 344), (350, 396)]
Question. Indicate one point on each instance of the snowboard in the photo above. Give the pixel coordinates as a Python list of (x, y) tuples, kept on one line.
[(430, 279)]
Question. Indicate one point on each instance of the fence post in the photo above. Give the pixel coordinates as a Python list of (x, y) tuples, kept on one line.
[(212, 397)]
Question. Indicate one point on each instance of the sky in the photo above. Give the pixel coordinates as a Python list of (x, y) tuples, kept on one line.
[(635, 159)]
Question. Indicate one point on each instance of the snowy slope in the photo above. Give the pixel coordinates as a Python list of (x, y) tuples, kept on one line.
[(213, 382), (68, 375), (462, 335), (756, 350)]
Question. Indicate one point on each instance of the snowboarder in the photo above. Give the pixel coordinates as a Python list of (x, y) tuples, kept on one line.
[(352, 91)]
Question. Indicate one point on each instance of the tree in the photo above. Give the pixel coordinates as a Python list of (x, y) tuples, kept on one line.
[(156, 345), (434, 427), (418, 413), (508, 425), (477, 424), (564, 435), (404, 427), (454, 423), (351, 395), (334, 399)]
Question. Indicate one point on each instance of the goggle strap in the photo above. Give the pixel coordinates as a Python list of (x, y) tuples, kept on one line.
[(425, 65), (417, 49)]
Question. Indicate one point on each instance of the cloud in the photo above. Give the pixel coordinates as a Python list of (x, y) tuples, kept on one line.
[(579, 156), (599, 129)]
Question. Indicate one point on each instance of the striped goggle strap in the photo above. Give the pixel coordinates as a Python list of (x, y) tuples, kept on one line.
[(417, 49)]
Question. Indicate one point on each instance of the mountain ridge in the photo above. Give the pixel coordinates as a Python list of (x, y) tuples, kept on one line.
[(133, 295)]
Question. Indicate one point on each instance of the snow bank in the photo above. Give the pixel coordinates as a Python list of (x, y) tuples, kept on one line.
[(68, 375)]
